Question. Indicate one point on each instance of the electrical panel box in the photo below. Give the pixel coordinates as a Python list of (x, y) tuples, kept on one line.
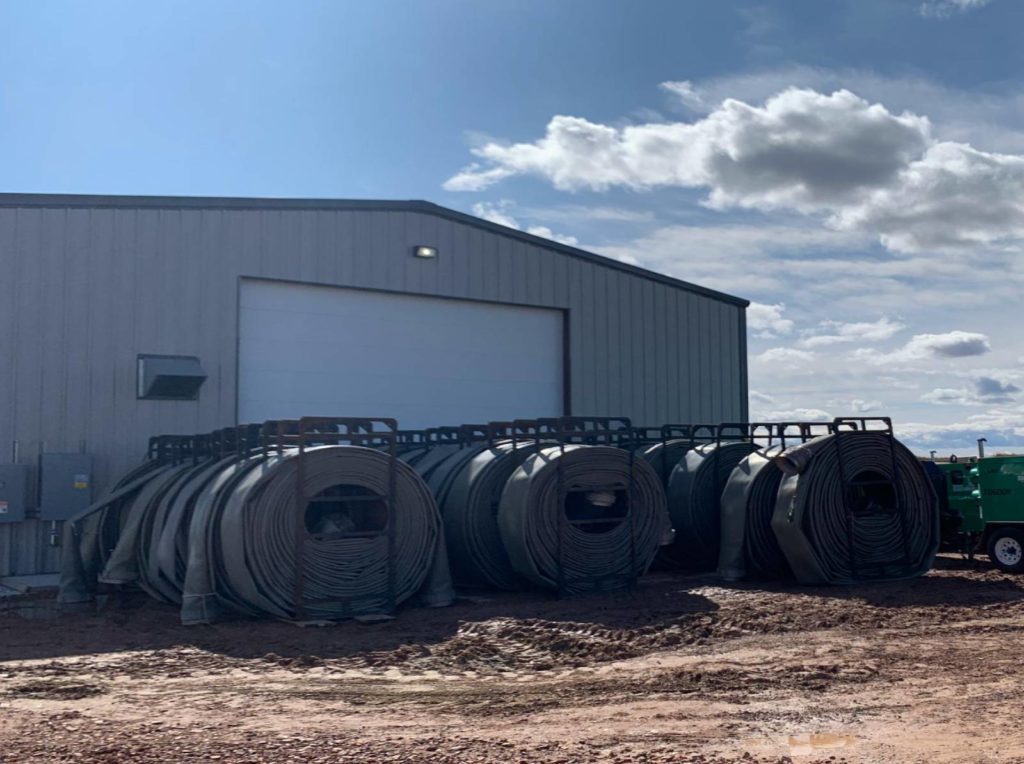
[(65, 485), (14, 492)]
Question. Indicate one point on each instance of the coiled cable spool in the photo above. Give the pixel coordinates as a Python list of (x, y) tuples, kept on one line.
[(855, 506), (694, 503), (591, 534), (663, 456), (469, 507), (749, 548), (344, 569)]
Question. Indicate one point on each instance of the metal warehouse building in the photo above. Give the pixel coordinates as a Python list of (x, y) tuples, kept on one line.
[(113, 309)]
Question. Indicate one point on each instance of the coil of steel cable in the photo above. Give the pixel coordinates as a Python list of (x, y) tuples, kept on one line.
[(469, 507), (617, 545), (694, 503), (749, 548), (254, 535), (884, 526)]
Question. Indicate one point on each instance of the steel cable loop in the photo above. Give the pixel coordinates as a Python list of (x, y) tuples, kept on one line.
[(664, 455), (342, 576), (694, 503), (885, 526), (749, 548), (470, 512), (532, 517)]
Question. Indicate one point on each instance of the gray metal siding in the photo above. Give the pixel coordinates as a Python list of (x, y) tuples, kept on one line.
[(85, 289)]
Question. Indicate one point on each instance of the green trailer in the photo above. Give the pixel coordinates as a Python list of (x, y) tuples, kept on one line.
[(986, 504)]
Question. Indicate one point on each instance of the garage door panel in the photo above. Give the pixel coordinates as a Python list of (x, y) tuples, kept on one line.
[(310, 350)]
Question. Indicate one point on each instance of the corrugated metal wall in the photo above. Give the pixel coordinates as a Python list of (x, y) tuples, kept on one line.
[(84, 289)]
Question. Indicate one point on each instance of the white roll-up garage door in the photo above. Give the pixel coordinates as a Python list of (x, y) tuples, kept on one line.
[(325, 351)]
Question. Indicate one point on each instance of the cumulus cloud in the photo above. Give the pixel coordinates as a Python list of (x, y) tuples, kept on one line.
[(855, 164), (801, 149), (759, 398), (1001, 426), (767, 321), (796, 414), (954, 344), (951, 345), (789, 356), (836, 332), (686, 92), (953, 198), (986, 391), (499, 213), (946, 8)]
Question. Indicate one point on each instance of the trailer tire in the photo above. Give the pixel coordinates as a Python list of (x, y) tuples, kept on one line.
[(1006, 549)]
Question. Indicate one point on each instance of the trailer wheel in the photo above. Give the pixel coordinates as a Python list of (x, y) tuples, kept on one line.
[(1006, 549)]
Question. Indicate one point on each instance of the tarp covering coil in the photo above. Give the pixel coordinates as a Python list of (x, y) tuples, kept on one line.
[(694, 493), (255, 524), (748, 546), (220, 536), (544, 548), (843, 516)]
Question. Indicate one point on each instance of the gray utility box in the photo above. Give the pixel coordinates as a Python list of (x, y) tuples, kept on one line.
[(65, 485), (14, 492)]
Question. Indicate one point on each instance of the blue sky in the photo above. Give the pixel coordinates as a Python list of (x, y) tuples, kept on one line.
[(854, 167)]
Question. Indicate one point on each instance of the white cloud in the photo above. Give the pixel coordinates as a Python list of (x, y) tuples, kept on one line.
[(797, 414), (987, 391), (1001, 426), (576, 213), (855, 164), (498, 213), (800, 150), (759, 398), (785, 356), (476, 178), (954, 198), (955, 344), (767, 321), (685, 91), (947, 8), (838, 332), (985, 118)]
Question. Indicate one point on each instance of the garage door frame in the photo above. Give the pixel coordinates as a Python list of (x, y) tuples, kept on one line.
[(565, 312)]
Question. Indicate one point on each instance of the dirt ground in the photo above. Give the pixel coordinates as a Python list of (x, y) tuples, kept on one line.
[(685, 669)]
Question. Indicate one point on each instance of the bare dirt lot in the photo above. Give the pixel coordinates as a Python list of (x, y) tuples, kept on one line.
[(685, 669)]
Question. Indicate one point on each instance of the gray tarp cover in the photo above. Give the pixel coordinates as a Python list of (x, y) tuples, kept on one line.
[(240, 540), (238, 536)]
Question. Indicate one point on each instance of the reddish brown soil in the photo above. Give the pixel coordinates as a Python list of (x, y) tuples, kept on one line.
[(682, 670)]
